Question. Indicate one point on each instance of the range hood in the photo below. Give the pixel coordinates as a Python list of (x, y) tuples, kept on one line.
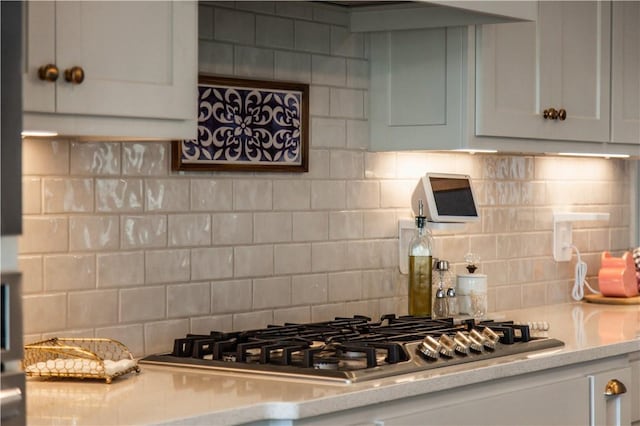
[(368, 16)]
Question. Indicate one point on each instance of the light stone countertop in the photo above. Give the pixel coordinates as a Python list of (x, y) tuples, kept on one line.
[(180, 395)]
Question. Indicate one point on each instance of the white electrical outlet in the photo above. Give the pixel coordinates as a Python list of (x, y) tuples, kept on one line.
[(562, 232)]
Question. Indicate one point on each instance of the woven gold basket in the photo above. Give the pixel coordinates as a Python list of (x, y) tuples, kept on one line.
[(79, 358)]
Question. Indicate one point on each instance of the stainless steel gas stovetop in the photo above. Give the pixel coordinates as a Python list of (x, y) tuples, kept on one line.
[(354, 349)]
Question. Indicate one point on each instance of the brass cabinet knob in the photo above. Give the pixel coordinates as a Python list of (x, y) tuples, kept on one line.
[(550, 114), (74, 75), (48, 72), (562, 114), (615, 387)]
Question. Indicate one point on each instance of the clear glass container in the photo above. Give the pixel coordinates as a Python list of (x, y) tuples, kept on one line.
[(420, 268)]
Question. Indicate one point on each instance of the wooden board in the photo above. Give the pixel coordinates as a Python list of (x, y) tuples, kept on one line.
[(598, 298)]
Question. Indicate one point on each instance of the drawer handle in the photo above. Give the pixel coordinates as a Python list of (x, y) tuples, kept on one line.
[(74, 75), (562, 114), (48, 72), (10, 396), (615, 387)]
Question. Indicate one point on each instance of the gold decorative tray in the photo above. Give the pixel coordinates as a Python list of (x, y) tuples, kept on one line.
[(79, 358)]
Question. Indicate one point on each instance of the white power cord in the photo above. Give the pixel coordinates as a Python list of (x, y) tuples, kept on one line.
[(580, 278)]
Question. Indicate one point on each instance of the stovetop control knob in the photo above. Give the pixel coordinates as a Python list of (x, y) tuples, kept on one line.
[(430, 347), (477, 341), (462, 343), (447, 346), (492, 337)]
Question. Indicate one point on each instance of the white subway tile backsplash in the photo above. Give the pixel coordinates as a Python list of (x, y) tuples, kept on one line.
[(257, 6), (292, 258), (122, 269), (251, 320), (294, 9), (204, 325), (143, 231), (252, 194), (300, 314), (94, 233), (328, 70), (292, 66), (31, 195), (232, 228), (47, 234), (189, 230), (215, 58), (272, 31), (358, 134), (347, 103), (347, 164), (145, 159), (310, 226), (94, 158), (211, 263), (44, 312), (119, 195), (142, 304), (396, 193), (309, 289), (253, 261), (234, 26), (344, 225), (328, 133), (166, 195), (272, 227), (187, 300), (45, 157), (363, 194), (69, 272), (328, 194), (312, 37), (163, 266), (231, 296), (68, 195), (379, 165), (32, 277), (211, 194), (319, 100), (380, 224), (328, 312), (330, 15), (271, 292), (205, 22), (92, 308), (159, 335), (345, 286), (291, 195), (253, 62), (329, 256)]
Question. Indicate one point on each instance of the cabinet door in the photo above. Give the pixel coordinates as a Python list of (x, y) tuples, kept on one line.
[(561, 62), (625, 73), (39, 38), (136, 56), (416, 89), (610, 410)]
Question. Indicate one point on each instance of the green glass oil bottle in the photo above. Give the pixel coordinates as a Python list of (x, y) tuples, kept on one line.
[(420, 267)]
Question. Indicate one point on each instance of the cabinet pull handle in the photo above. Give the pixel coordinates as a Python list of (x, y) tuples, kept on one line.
[(48, 72), (550, 114), (562, 114), (74, 75), (614, 387)]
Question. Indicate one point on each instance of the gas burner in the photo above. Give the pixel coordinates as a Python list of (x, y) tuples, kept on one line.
[(354, 349)]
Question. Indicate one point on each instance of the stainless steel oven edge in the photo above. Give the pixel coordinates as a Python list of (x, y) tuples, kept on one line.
[(12, 379)]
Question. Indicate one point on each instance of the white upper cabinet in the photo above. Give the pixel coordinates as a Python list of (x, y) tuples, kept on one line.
[(124, 68), (625, 73), (416, 89), (559, 64)]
